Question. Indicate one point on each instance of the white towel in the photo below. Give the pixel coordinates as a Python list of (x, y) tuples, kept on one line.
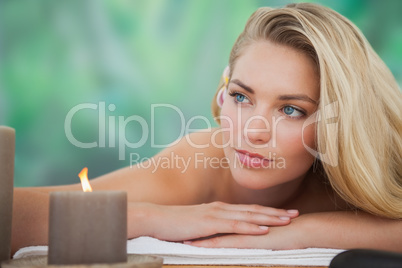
[(178, 253)]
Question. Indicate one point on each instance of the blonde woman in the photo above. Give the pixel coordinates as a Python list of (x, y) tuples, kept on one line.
[(308, 153)]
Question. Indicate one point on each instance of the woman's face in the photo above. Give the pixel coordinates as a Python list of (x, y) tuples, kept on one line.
[(272, 91)]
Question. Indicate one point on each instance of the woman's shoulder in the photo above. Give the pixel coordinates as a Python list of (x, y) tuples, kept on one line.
[(176, 175), (203, 142), (196, 160)]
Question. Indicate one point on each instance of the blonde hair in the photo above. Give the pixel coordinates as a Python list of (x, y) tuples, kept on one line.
[(367, 140)]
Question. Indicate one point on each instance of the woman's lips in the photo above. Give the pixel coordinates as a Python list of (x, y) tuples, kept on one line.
[(252, 160)]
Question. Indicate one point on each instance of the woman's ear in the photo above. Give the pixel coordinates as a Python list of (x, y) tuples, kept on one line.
[(220, 98)]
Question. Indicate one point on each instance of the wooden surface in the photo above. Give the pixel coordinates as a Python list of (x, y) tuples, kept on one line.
[(133, 261), (240, 266), (140, 262), (41, 262)]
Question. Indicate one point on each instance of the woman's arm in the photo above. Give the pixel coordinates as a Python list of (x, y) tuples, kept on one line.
[(340, 229), (352, 229), (154, 185), (161, 201)]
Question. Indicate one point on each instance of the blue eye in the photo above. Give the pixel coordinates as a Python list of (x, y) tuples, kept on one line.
[(292, 112), (288, 110), (240, 98)]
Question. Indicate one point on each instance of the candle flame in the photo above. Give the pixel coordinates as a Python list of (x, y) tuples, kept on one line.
[(86, 187)]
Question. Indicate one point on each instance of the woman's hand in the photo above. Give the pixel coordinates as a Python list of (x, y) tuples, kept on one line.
[(337, 229), (279, 238), (181, 223)]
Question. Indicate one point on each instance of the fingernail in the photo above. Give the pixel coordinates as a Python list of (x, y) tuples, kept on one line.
[(264, 228), (292, 211), (284, 218)]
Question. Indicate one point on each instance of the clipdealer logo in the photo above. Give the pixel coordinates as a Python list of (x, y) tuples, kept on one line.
[(117, 128), (147, 131)]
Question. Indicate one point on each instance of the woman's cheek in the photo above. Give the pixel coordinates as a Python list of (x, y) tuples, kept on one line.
[(233, 121), (294, 136), (226, 122)]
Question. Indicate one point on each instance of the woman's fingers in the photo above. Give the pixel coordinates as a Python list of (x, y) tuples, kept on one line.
[(258, 209), (254, 217), (239, 227), (222, 218), (178, 223), (281, 237), (253, 214)]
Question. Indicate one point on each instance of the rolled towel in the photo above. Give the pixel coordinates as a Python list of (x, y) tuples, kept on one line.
[(177, 253)]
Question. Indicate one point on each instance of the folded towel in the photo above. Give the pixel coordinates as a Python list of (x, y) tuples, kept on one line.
[(178, 253)]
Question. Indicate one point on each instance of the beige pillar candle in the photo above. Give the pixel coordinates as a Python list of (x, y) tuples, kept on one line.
[(87, 227), (7, 151)]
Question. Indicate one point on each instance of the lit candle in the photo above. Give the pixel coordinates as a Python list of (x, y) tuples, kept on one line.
[(87, 227), (7, 151)]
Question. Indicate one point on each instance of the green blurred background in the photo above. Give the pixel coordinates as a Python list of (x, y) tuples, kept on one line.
[(55, 55)]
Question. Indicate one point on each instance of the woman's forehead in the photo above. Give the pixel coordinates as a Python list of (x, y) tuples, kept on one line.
[(265, 65)]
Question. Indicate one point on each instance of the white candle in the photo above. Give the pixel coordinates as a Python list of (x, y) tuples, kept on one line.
[(7, 151), (87, 227)]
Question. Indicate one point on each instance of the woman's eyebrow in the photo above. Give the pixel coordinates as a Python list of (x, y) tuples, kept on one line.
[(301, 97), (240, 84)]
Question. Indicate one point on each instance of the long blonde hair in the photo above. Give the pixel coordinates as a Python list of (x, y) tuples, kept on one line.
[(367, 141)]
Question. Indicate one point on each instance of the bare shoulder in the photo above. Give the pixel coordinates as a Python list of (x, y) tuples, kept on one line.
[(183, 173), (199, 161), (197, 149), (180, 174)]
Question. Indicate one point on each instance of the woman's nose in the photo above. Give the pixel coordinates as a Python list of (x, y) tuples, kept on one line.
[(257, 130)]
